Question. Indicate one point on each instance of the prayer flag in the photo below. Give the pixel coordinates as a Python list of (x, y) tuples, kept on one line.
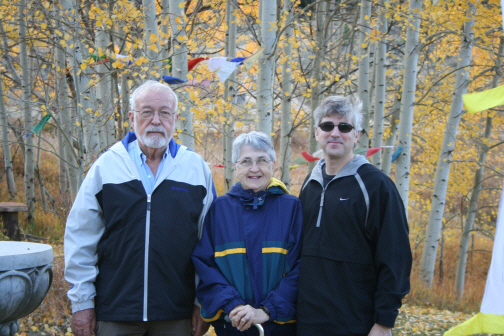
[(397, 153), (480, 101), (226, 70), (308, 157), (372, 151), (37, 128), (192, 63), (215, 63), (490, 319), (249, 62), (238, 60), (173, 80)]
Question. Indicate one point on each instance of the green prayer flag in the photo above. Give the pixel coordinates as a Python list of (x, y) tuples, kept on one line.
[(37, 128)]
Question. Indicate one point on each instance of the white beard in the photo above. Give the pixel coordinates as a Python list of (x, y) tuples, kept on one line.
[(152, 140)]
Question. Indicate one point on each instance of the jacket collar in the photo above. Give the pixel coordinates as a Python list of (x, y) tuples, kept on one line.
[(249, 197)]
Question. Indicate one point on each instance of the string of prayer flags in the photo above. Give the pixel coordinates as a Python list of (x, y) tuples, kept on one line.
[(308, 157), (360, 151), (173, 80), (397, 153), (192, 63), (480, 101), (249, 62), (98, 58)]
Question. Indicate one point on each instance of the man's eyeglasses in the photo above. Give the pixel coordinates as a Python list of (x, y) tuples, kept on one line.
[(149, 114), (328, 126), (261, 162)]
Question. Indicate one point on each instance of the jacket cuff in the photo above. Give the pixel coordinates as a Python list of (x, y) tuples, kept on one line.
[(271, 309), (78, 306), (386, 320), (231, 304)]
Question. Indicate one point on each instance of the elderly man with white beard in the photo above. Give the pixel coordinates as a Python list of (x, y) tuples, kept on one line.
[(133, 226)]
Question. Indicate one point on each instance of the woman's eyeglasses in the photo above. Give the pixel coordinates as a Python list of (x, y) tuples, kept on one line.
[(328, 126)]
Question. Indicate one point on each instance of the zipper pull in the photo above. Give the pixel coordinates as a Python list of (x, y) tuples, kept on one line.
[(148, 202)]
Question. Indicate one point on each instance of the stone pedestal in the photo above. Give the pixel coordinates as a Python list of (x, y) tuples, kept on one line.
[(25, 278)]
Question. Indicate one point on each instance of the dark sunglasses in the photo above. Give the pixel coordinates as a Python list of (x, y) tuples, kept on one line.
[(328, 126)]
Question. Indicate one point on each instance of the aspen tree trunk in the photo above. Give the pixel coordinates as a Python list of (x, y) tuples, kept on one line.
[(11, 186), (85, 93), (42, 187), (365, 30), (379, 109), (286, 121), (29, 173), (229, 97), (266, 67), (165, 30), (473, 202), (103, 94), (408, 100), (125, 103), (392, 131), (320, 49), (151, 34), (433, 232), (179, 69), (65, 120)]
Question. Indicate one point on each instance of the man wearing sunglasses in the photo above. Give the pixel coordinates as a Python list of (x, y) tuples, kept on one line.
[(356, 257)]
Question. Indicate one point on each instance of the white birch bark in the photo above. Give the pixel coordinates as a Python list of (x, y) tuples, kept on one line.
[(320, 48), (408, 99), (286, 121), (151, 34), (165, 29), (478, 184), (265, 79), (11, 185), (65, 120), (229, 97), (85, 93), (29, 173), (433, 232), (179, 70), (103, 92), (379, 107), (391, 140), (365, 31)]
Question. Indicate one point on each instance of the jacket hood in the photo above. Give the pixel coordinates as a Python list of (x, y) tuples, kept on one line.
[(173, 146), (348, 170), (249, 197)]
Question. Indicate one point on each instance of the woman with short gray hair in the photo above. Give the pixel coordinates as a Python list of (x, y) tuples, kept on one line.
[(248, 257)]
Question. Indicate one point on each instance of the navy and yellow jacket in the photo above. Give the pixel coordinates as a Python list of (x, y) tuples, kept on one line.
[(250, 253)]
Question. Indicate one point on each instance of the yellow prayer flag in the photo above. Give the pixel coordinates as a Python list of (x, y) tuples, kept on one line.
[(249, 62), (480, 101), (479, 324)]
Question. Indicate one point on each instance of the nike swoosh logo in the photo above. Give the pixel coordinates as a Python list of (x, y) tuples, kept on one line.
[(343, 199)]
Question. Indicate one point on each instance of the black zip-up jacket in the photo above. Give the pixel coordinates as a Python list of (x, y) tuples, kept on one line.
[(356, 257)]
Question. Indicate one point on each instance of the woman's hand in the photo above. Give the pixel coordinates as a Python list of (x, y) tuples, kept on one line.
[(242, 316)]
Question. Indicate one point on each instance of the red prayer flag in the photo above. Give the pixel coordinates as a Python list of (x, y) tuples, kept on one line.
[(218, 166), (192, 63), (308, 157), (372, 151)]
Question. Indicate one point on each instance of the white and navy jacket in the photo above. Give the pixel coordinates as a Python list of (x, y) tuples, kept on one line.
[(130, 251)]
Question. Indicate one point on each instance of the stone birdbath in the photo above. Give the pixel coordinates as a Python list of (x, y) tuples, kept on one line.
[(25, 278)]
